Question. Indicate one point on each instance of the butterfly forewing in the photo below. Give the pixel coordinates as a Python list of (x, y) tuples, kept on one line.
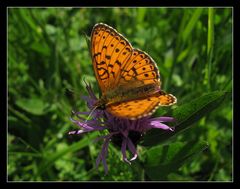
[(110, 52), (140, 70)]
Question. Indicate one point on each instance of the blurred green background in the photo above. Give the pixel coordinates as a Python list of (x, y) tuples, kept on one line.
[(48, 53)]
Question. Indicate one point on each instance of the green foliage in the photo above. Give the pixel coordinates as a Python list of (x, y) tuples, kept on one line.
[(48, 54), (163, 160)]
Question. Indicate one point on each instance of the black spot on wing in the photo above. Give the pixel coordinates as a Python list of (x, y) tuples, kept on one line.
[(118, 63), (108, 57)]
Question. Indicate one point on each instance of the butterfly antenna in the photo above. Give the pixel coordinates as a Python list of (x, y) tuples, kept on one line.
[(90, 114), (84, 80), (87, 39)]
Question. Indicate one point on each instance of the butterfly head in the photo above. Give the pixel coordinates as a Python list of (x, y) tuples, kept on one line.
[(100, 104)]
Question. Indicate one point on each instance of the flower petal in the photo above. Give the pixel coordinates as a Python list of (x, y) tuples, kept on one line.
[(134, 157), (84, 113), (105, 165), (123, 149), (89, 125), (158, 125), (163, 119), (76, 132), (132, 149), (105, 155), (126, 160), (102, 155)]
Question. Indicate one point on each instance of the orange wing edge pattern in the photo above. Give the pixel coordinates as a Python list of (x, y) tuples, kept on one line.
[(136, 109)]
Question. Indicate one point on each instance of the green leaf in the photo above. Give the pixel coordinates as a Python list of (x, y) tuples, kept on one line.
[(194, 19), (41, 48), (28, 19), (50, 158), (34, 105), (141, 15), (186, 115), (162, 160)]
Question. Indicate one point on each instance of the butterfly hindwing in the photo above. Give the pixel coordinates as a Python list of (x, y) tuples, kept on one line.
[(138, 108)]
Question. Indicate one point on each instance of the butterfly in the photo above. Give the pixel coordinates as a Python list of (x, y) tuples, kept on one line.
[(129, 78)]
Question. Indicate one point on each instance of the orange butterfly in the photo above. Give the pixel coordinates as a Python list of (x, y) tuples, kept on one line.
[(128, 78)]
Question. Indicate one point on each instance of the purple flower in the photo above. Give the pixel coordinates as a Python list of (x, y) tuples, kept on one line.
[(123, 132)]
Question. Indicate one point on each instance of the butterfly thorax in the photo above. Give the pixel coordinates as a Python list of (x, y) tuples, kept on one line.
[(100, 104), (122, 94)]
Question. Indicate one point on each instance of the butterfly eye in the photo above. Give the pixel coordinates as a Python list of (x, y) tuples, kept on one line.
[(102, 107)]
